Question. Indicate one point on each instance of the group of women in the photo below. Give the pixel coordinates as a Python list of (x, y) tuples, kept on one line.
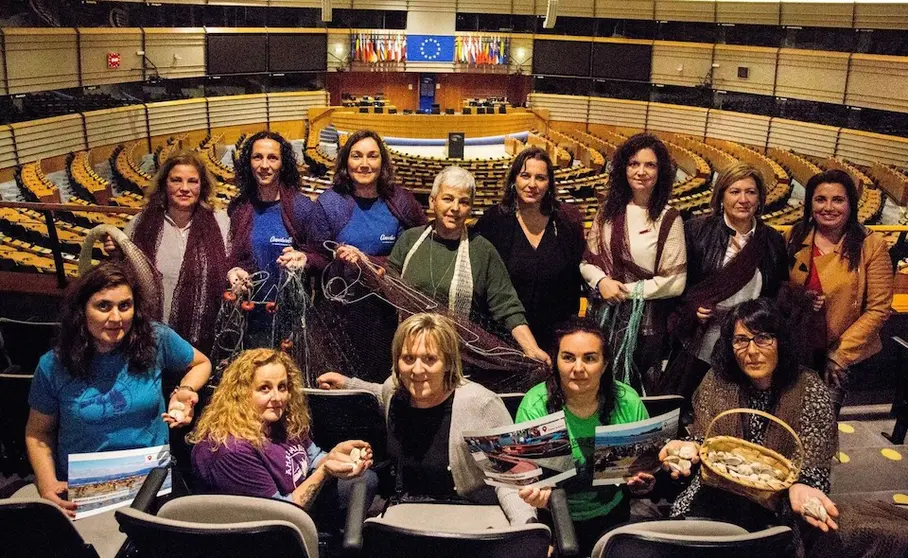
[(701, 288)]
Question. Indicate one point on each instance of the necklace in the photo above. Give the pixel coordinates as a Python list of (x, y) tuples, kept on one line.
[(434, 284)]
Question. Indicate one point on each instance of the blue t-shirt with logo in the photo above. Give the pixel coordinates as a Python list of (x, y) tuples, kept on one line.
[(112, 409), (269, 238), (372, 227)]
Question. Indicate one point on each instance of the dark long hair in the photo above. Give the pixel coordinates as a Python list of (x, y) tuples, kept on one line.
[(509, 198), (619, 193), (343, 184), (245, 179), (556, 399), (760, 315), (75, 346), (854, 232)]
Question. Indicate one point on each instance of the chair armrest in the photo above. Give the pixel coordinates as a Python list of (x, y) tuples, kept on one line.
[(357, 507), (565, 536), (149, 491)]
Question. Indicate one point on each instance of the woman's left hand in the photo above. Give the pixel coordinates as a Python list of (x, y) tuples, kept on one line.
[(800, 493), (835, 376), (641, 483), (350, 254), (536, 497), (538, 354), (291, 259), (188, 399)]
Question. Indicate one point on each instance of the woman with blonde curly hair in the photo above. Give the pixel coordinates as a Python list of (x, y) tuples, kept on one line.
[(253, 438)]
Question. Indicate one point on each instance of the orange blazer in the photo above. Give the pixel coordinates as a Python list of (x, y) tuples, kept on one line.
[(857, 302)]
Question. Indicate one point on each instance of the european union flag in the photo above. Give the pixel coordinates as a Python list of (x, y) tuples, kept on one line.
[(430, 48)]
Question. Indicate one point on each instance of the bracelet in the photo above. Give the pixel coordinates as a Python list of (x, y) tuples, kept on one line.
[(183, 386)]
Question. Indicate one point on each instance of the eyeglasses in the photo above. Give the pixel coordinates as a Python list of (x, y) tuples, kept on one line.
[(741, 342)]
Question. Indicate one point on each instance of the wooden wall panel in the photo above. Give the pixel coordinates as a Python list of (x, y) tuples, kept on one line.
[(817, 14), (685, 64), (435, 126), (761, 64), (298, 3), (762, 13), (523, 7), (379, 5), (338, 39), (94, 46), (812, 74), (572, 8), (751, 129), (803, 137), (48, 137), (41, 59), (178, 53), (628, 9), (7, 148), (401, 89), (676, 118), (879, 82), (865, 148), (237, 110), (457, 87), (3, 84), (881, 16), (521, 60), (116, 125), (618, 112), (484, 7), (431, 6), (175, 117), (294, 105), (685, 10), (566, 108)]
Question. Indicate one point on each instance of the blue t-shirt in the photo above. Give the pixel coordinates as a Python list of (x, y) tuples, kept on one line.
[(113, 409), (372, 227), (269, 238)]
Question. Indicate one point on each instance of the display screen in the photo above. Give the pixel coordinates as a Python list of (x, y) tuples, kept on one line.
[(237, 54), (298, 52), (561, 58), (622, 61)]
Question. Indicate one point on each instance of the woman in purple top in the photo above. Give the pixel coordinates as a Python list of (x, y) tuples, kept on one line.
[(253, 438)]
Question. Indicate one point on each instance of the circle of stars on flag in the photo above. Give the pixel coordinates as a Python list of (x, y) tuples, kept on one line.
[(433, 45)]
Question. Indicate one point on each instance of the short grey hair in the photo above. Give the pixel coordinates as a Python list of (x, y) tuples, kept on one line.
[(455, 177)]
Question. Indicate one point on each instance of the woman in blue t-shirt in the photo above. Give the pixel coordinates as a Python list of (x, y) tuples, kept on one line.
[(99, 389)]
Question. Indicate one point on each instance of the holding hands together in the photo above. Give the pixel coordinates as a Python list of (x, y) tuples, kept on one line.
[(612, 292)]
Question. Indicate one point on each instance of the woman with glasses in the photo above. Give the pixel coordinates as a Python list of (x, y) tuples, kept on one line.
[(754, 367)]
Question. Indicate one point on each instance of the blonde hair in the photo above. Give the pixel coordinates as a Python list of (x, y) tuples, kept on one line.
[(157, 188), (732, 174), (230, 412), (441, 336)]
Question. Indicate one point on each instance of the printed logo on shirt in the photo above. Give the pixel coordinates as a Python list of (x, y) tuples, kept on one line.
[(388, 238), (95, 407), (297, 463), (280, 241)]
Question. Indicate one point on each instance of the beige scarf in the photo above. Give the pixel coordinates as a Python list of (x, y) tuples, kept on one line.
[(460, 295)]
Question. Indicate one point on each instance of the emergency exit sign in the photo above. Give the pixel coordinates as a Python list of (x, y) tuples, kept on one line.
[(113, 60)]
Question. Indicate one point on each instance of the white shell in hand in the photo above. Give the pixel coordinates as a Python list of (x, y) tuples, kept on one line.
[(356, 455), (177, 406), (687, 452), (814, 508), (177, 415)]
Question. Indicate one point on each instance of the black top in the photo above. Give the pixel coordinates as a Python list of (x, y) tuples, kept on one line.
[(418, 447), (547, 279)]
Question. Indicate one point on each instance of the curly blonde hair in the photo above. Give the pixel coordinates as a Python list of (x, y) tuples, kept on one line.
[(230, 413)]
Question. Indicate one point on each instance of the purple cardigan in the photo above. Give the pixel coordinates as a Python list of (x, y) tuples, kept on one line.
[(333, 211)]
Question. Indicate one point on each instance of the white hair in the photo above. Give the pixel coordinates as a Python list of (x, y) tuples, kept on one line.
[(454, 177)]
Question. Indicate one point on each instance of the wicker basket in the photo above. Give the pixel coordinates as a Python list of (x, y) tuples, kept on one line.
[(758, 491)]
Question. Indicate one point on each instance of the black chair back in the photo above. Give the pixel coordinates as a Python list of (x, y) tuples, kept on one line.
[(153, 538), (775, 541), (36, 527), (340, 415), (381, 540), (22, 344), (512, 402)]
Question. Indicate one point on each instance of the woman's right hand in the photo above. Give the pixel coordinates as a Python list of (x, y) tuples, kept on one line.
[(52, 492), (613, 292), (536, 497), (819, 300), (331, 380), (704, 314), (341, 465), (111, 248), (238, 279), (676, 447)]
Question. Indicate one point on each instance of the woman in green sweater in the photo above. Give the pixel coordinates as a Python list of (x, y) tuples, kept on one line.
[(582, 385)]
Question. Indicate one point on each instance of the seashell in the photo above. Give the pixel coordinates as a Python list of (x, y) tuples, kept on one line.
[(356, 455), (814, 508), (766, 478), (745, 469), (753, 477), (673, 451), (733, 460), (687, 452), (712, 456), (177, 415), (721, 467), (177, 406), (672, 459)]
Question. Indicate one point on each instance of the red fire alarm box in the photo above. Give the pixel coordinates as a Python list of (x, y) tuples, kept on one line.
[(113, 60)]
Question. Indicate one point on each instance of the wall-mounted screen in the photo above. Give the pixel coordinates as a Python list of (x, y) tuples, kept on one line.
[(298, 52), (622, 61), (561, 58), (237, 54)]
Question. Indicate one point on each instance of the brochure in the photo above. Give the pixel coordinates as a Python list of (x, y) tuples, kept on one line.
[(623, 450), (526, 455), (104, 481)]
